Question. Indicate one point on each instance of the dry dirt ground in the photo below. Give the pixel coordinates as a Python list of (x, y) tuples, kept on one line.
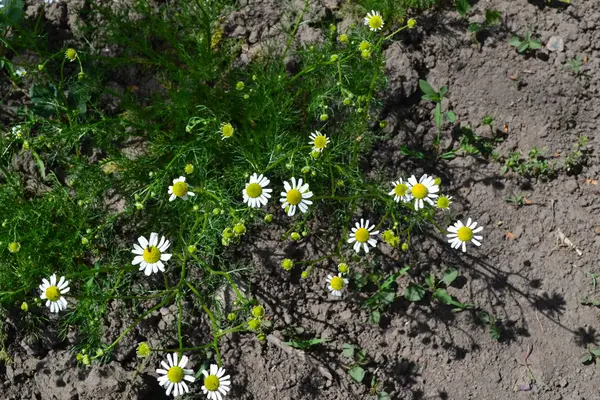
[(521, 274)]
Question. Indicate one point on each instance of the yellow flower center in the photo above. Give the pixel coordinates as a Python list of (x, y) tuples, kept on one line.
[(180, 189), (443, 202), (419, 191), (294, 197), (151, 254), (375, 22), (320, 142), (227, 130), (465, 234), (400, 189), (361, 235), (211, 383), (52, 293), (337, 283), (175, 374), (253, 190)]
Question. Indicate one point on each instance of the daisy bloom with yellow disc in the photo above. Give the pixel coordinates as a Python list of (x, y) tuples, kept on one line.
[(173, 376), (295, 196), (318, 141), (336, 284), (460, 234), (180, 189), (53, 291), (216, 383), (400, 191), (150, 254), (361, 236), (374, 21), (256, 193), (423, 191)]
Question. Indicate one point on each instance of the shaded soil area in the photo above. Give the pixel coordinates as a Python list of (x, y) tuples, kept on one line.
[(524, 274)]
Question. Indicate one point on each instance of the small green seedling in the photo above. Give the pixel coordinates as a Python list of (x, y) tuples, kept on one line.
[(429, 93), (578, 158), (376, 390), (535, 165), (575, 65), (359, 358), (526, 43), (591, 356), (295, 337), (516, 200), (437, 288), (493, 18), (384, 297), (489, 320)]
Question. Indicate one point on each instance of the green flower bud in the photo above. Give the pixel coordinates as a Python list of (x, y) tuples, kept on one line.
[(258, 311), (25, 307), (231, 316), (404, 246), (228, 233), (343, 38), (191, 249), (143, 350), (343, 268), (84, 241), (324, 117), (216, 211), (287, 264), (305, 274), (411, 23), (269, 218), (295, 236), (254, 324), (334, 58), (239, 229), (189, 168), (305, 170), (14, 247), (240, 85)]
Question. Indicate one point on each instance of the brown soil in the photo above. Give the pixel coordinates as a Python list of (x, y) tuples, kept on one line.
[(520, 274)]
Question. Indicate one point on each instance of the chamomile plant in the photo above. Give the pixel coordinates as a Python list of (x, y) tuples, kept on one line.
[(197, 165)]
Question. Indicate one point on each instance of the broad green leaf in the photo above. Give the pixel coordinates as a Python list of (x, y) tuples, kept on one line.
[(463, 7), (595, 351), (304, 344), (426, 87), (495, 332), (430, 280), (587, 359), (523, 47), (375, 317), (515, 41), (414, 292), (383, 396), (357, 373), (451, 117), (474, 27), (443, 91), (450, 276), (348, 350), (443, 296), (534, 44), (13, 12)]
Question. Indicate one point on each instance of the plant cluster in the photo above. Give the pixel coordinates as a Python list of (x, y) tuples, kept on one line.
[(146, 205)]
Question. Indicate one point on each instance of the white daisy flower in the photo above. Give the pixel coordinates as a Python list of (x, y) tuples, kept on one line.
[(423, 190), (216, 383), (21, 72), (361, 235), (374, 21), (336, 284), (173, 375), (180, 189), (53, 292), (318, 140), (295, 196), (256, 193), (400, 191), (150, 254), (461, 234)]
